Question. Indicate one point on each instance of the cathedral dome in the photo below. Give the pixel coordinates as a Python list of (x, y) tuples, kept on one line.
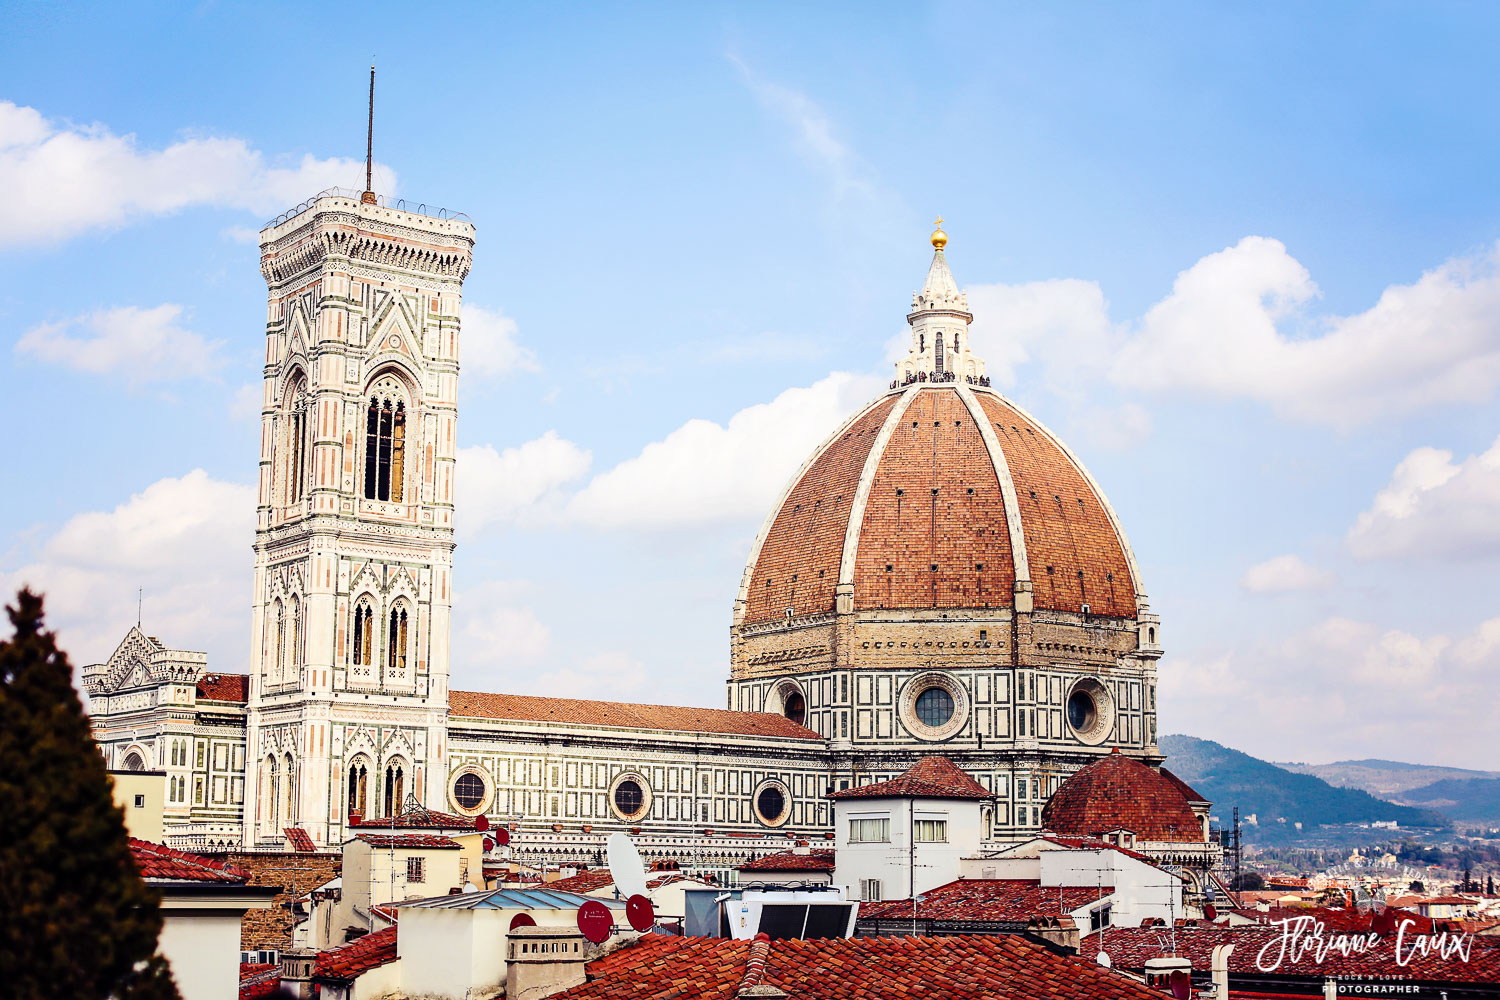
[(1117, 792), (940, 495)]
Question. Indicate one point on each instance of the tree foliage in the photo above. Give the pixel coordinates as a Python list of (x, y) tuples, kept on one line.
[(76, 919)]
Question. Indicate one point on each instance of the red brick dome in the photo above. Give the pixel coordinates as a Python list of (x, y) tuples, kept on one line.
[(1118, 792), (940, 496)]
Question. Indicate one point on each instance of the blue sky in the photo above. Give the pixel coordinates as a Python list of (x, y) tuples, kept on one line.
[(1242, 257)]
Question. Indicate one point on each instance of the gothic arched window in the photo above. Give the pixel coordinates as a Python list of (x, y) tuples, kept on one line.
[(291, 791), (294, 648), (279, 654), (296, 465), (385, 447), (395, 790), (358, 779), (364, 634), (275, 789), (396, 641)]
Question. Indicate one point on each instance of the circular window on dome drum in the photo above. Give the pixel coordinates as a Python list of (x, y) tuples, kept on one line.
[(630, 796), (1090, 711), (772, 803), (934, 706), (469, 792)]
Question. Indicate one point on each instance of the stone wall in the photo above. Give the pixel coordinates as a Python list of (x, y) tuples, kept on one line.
[(297, 874)]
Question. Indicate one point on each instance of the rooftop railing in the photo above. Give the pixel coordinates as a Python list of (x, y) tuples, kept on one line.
[(396, 204)]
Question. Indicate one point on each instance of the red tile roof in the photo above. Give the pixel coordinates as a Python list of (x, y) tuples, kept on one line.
[(954, 552), (160, 863), (659, 967), (1187, 790), (299, 838), (259, 981), (932, 777), (1117, 792), (1093, 844), (348, 961), (225, 687), (386, 840), (577, 712), (791, 861), (1129, 948), (420, 818), (1002, 899), (597, 878)]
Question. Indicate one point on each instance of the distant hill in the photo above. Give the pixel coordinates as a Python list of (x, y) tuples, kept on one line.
[(1461, 798), (1271, 794), (1386, 779)]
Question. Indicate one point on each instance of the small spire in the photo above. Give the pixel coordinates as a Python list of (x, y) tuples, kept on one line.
[(368, 197), (939, 238)]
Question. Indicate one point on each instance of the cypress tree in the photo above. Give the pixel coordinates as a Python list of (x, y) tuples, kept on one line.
[(76, 920)]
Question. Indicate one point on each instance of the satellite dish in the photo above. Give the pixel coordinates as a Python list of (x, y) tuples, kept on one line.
[(470, 887), (625, 866), (521, 920), (640, 912), (489, 844), (481, 822), (1103, 959), (502, 836), (595, 921)]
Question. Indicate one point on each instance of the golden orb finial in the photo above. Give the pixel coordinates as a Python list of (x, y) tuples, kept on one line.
[(939, 238)]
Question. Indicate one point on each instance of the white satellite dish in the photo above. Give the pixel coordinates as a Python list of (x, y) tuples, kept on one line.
[(625, 866), (1103, 959)]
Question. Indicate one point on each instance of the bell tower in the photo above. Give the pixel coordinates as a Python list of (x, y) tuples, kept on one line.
[(354, 537)]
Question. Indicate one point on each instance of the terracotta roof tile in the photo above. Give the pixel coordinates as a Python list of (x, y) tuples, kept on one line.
[(1093, 844), (598, 878), (791, 861), (934, 777), (224, 687), (386, 840), (1004, 899), (259, 981), (658, 967), (348, 961), (299, 838), (1187, 790), (934, 531), (1117, 792), (578, 712), (420, 818), (158, 862)]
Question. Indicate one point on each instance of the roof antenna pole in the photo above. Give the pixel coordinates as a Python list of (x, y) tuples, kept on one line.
[(368, 198), (140, 596)]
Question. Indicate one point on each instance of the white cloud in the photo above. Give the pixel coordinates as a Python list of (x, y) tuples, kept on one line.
[(246, 402), (1356, 689), (1283, 574), (242, 234), (185, 541), (503, 487), (609, 675), (492, 632), (706, 472), (848, 171), (142, 345), (1433, 508), (58, 179), (1221, 332), (1062, 325), (490, 346)]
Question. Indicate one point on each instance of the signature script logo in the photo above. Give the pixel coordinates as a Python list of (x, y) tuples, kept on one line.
[(1303, 938)]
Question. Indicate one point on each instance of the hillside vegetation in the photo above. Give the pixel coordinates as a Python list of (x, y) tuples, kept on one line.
[(1276, 797)]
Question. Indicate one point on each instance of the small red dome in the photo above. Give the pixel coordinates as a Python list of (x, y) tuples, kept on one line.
[(1118, 792)]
